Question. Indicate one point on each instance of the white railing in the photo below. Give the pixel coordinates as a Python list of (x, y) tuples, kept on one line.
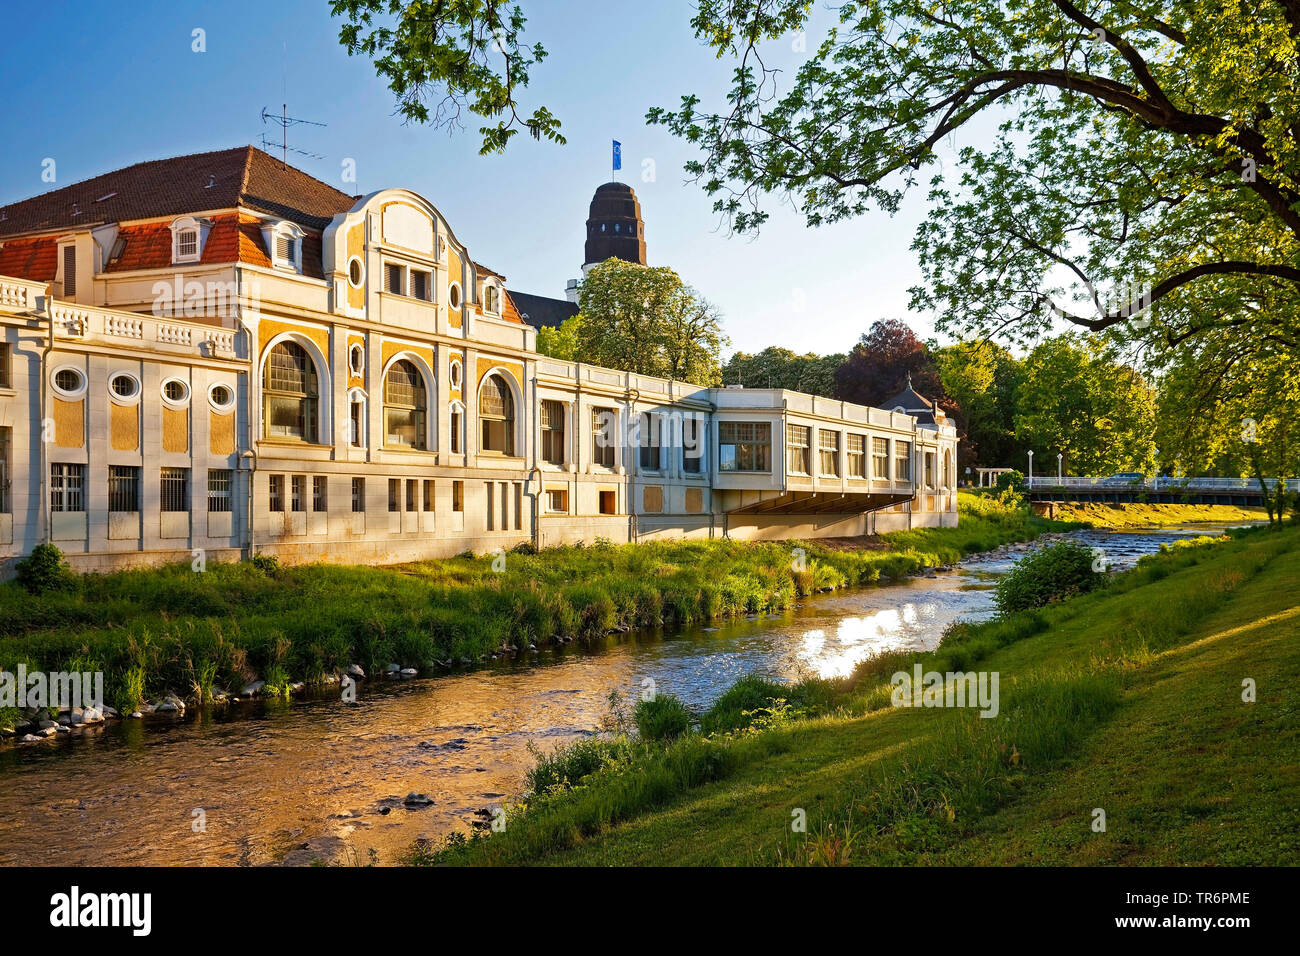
[(1157, 484), (74, 321)]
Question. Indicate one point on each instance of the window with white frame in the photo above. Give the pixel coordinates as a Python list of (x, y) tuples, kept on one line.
[(828, 444), (457, 421), (797, 451), (902, 461), (421, 285), (284, 245), (649, 438), (856, 454), (745, 446), (67, 487), (496, 413), (880, 458), (394, 278), (692, 445), (187, 240), (604, 424), (553, 432)]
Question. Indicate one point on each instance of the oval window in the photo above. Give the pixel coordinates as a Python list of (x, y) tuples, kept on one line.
[(124, 386), (175, 391), (69, 381), (221, 397), (356, 272), (453, 296)]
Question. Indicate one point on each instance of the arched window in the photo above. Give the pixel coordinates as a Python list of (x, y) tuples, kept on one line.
[(490, 303), (496, 412), (948, 479), (405, 406), (290, 393)]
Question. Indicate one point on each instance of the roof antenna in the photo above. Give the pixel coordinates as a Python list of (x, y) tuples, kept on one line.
[(212, 181), (284, 119)]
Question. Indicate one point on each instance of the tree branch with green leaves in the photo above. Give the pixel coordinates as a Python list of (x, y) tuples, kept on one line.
[(1146, 152), (445, 58)]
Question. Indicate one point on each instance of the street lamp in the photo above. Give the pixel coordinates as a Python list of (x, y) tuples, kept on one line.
[(1060, 478), (1031, 470)]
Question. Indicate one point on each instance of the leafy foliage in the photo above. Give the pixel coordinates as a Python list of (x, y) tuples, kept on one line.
[(1047, 575), (1144, 176), (777, 367), (662, 717), (44, 570), (641, 319), (445, 58), (1077, 398)]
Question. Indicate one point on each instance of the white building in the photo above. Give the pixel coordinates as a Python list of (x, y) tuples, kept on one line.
[(219, 353)]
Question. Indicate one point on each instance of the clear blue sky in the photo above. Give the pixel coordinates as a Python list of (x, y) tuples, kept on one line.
[(97, 86)]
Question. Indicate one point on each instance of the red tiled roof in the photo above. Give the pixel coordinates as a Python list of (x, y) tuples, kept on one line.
[(508, 310), (147, 246), (231, 239), (226, 179), (36, 259)]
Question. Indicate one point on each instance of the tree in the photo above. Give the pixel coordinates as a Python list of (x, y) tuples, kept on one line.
[(981, 378), (1077, 399), (458, 55), (776, 367), (1224, 417), (878, 367), (560, 341), (641, 319), (1148, 152)]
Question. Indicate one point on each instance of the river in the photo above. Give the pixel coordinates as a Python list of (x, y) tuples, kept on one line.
[(269, 783)]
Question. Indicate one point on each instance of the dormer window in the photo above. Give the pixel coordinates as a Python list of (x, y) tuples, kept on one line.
[(187, 240), (286, 249), (284, 244), (491, 300)]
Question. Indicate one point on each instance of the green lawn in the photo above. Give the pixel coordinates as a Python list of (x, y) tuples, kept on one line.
[(1128, 700)]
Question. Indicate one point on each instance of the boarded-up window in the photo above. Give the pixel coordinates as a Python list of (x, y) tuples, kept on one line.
[(652, 499)]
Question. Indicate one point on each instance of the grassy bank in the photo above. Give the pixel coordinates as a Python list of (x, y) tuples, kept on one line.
[(174, 630), (1126, 700), (1137, 514)]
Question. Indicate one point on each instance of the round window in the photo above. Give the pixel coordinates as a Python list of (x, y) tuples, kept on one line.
[(175, 391), (221, 397), (453, 296), (356, 272), (124, 386), (69, 381)]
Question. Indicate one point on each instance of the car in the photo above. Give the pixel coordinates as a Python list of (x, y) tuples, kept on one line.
[(1124, 478)]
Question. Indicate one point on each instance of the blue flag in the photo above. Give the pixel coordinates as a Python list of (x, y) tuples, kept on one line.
[(618, 155)]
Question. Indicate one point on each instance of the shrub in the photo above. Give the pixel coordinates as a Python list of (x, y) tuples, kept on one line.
[(268, 564), (1012, 480), (662, 717), (566, 766), (44, 570), (1047, 575)]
